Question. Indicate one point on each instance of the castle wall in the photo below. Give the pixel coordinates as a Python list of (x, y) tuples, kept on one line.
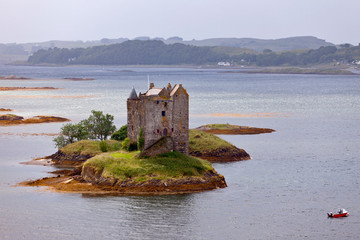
[(181, 121), (135, 118), (158, 119)]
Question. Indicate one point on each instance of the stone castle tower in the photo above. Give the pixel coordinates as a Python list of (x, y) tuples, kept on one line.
[(160, 112)]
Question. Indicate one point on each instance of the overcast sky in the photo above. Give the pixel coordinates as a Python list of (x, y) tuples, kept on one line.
[(336, 21)]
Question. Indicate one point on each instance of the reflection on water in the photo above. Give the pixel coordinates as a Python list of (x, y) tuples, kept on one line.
[(308, 167)]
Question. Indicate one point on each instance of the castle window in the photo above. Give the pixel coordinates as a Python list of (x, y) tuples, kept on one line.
[(172, 129), (165, 132), (158, 131), (157, 102), (165, 104), (163, 113)]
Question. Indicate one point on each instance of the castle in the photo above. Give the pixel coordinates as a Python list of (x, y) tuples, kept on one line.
[(160, 112)]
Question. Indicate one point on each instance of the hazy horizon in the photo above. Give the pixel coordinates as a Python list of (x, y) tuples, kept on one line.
[(26, 21)]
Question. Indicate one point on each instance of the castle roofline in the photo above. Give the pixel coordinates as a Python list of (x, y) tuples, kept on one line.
[(133, 94), (176, 88), (153, 91)]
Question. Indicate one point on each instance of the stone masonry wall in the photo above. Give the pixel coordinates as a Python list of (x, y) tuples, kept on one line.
[(181, 121), (158, 119)]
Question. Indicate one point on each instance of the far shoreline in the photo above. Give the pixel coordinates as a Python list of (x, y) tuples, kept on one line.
[(313, 70)]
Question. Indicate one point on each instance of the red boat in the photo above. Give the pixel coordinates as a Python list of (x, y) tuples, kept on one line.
[(340, 213)]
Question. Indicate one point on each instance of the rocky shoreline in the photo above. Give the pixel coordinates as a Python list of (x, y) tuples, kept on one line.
[(13, 77), (68, 160), (84, 179), (222, 155), (27, 88), (72, 183)]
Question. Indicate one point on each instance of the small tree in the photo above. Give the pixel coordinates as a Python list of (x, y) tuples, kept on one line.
[(99, 126), (120, 134), (60, 141), (70, 133)]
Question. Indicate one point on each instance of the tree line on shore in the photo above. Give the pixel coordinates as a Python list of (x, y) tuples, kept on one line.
[(154, 52)]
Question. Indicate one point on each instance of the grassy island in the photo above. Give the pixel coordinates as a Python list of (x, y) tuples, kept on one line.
[(122, 172), (229, 129), (214, 149)]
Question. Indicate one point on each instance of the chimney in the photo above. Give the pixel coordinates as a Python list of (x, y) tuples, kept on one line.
[(152, 85)]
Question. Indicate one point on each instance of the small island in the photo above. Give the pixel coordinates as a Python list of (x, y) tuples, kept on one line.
[(119, 171), (207, 146), (13, 77), (79, 79), (26, 88), (12, 119), (228, 129)]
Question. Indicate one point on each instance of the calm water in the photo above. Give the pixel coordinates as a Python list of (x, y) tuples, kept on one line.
[(308, 167)]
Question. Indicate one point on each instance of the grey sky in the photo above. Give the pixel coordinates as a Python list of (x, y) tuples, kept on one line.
[(22, 21)]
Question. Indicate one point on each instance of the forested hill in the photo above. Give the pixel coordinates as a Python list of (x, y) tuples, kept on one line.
[(154, 52), (130, 52)]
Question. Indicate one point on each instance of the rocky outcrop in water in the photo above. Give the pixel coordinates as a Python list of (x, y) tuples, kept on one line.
[(11, 119), (222, 155), (62, 159)]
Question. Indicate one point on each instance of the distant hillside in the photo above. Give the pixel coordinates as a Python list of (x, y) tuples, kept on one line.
[(276, 45), (232, 46), (134, 52), (156, 52)]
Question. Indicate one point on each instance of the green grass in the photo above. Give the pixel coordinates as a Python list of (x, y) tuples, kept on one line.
[(124, 165), (221, 126), (202, 141), (90, 147)]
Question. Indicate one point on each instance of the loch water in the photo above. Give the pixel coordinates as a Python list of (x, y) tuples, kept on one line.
[(308, 167)]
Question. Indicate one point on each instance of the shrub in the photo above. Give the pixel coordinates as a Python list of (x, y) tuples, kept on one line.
[(133, 146), (125, 143), (103, 146), (120, 134), (141, 139), (129, 145)]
